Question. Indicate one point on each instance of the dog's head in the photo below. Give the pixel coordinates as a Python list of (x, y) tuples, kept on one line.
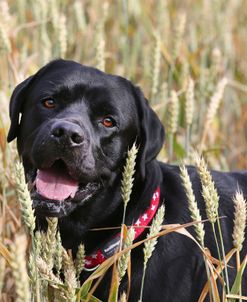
[(74, 125)]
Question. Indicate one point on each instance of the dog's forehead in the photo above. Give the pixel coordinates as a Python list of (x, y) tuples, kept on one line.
[(78, 81)]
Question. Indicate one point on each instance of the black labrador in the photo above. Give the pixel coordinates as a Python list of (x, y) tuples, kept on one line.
[(76, 126)]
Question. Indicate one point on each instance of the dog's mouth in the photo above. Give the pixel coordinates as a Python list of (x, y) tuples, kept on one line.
[(56, 193), (55, 183)]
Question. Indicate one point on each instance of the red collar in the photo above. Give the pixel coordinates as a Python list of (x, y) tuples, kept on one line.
[(109, 248)]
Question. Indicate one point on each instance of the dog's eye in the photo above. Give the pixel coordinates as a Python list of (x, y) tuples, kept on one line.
[(49, 103), (108, 122)]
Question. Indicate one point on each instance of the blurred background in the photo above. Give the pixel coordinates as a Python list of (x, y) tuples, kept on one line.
[(189, 57)]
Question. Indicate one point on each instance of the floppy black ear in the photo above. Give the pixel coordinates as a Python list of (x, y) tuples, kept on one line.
[(16, 101), (152, 132)]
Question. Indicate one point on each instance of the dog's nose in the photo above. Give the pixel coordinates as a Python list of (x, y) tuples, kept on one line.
[(67, 132)]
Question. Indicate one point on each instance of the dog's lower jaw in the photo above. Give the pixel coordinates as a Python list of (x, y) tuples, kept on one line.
[(60, 208)]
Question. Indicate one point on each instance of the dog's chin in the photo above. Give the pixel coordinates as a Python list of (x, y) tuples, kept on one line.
[(60, 208)]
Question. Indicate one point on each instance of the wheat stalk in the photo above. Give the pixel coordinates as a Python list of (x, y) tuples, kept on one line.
[(178, 33), (58, 253), (32, 269), (24, 199), (47, 273), (211, 199), (240, 214), (127, 182), (100, 40), (70, 276), (173, 113), (154, 230), (215, 101), (53, 281), (80, 260), (50, 244), (79, 14), (42, 243), (195, 215), (194, 211), (37, 242), (156, 66), (209, 191), (124, 259), (62, 35), (128, 173), (189, 111), (213, 107), (189, 102), (173, 116), (216, 61), (238, 235), (100, 52), (54, 14), (18, 266), (150, 244)]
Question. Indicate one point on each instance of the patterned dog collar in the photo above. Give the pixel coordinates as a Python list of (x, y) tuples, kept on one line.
[(110, 247)]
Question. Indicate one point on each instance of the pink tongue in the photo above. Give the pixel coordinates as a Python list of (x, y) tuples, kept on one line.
[(54, 185)]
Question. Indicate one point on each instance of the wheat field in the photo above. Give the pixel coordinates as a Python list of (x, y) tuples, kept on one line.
[(190, 59)]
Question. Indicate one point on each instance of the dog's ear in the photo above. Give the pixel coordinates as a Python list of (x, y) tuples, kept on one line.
[(152, 132), (16, 102)]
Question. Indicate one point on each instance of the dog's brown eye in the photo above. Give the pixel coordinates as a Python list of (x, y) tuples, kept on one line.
[(49, 103), (108, 122)]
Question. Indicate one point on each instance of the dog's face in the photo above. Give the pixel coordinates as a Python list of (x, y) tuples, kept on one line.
[(76, 125)]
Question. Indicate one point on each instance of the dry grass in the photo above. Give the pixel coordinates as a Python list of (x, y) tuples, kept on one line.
[(160, 45)]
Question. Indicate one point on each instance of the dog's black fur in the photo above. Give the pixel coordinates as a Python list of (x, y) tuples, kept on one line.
[(94, 154)]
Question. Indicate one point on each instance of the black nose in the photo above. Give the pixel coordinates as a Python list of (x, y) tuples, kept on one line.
[(67, 133)]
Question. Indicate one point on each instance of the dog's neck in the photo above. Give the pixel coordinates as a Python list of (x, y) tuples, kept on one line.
[(112, 245)]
